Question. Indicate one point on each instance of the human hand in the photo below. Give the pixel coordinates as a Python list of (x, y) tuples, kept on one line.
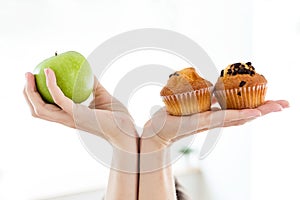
[(163, 129), (105, 117)]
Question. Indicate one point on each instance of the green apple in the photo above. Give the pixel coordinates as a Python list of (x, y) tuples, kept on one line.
[(73, 73)]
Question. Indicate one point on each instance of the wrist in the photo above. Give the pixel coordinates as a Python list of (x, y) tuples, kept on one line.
[(151, 144), (154, 155), (125, 159), (125, 154), (125, 141), (130, 145)]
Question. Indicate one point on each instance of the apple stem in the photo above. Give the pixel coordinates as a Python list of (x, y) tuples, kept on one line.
[(55, 53)]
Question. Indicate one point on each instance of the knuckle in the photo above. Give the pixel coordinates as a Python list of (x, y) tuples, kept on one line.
[(38, 113), (25, 92), (33, 114), (57, 100)]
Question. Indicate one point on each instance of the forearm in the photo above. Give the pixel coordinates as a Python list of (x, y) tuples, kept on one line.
[(123, 178), (156, 179)]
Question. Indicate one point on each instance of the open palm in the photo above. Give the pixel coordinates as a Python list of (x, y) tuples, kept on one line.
[(105, 116)]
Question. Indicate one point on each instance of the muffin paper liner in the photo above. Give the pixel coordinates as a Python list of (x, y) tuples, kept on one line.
[(189, 103), (243, 97)]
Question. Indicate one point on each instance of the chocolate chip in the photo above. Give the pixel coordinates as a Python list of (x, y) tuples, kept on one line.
[(237, 65), (174, 74), (249, 63), (252, 73), (222, 73), (252, 68), (171, 75), (242, 83), (242, 71), (229, 71), (239, 93), (234, 73)]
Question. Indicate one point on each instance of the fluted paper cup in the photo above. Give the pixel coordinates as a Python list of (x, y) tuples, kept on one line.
[(241, 98), (189, 103)]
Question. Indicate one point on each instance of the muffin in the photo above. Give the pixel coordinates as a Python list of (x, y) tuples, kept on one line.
[(187, 93), (239, 87)]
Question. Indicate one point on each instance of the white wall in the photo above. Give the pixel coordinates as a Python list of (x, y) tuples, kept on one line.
[(39, 159), (275, 147)]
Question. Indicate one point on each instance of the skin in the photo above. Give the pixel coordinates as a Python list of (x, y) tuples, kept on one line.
[(162, 130), (108, 118), (105, 117)]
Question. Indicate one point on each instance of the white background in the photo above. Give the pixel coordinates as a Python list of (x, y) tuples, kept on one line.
[(259, 160)]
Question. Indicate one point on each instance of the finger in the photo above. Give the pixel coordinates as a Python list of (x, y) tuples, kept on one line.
[(213, 119), (31, 90), (186, 125), (26, 96), (224, 117), (98, 86), (57, 95), (283, 103), (39, 108), (101, 96), (28, 102), (32, 96), (269, 106), (236, 117), (104, 101), (238, 122), (225, 124), (30, 81)]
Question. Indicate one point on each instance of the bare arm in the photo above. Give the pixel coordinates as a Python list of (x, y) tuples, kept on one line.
[(156, 176), (156, 179), (123, 178)]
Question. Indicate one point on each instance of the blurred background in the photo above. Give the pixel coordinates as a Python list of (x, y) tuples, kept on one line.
[(259, 160)]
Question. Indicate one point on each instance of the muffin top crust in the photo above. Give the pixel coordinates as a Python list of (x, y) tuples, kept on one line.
[(239, 75), (185, 80)]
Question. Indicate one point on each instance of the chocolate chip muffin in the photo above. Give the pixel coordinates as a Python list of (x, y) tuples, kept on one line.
[(240, 86), (187, 93)]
